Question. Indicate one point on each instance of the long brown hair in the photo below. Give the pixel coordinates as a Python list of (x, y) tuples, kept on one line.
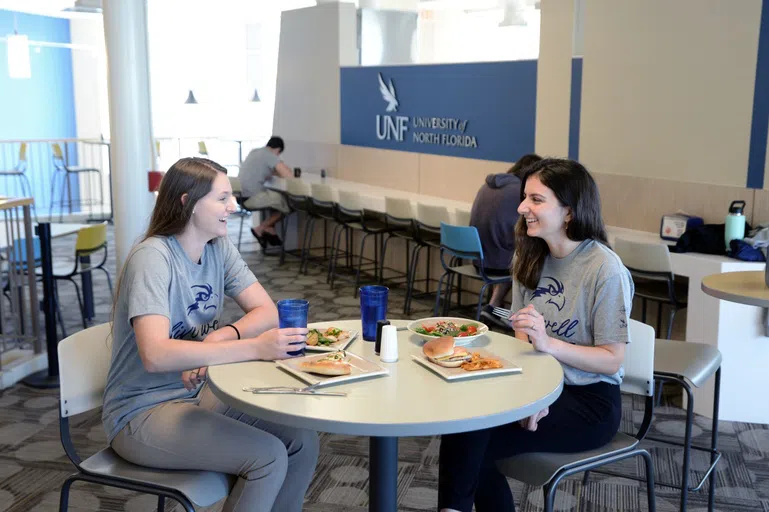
[(193, 176), (575, 188)]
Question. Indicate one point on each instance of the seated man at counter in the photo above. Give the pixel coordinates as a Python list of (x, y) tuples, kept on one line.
[(259, 166), (494, 214)]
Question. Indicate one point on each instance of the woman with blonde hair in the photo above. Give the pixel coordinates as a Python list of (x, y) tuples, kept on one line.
[(167, 329)]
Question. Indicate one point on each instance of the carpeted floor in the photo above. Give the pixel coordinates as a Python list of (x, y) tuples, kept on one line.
[(33, 464)]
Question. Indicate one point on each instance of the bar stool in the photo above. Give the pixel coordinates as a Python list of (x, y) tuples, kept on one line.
[(298, 199), (19, 173), (60, 168), (351, 212), (427, 234), (322, 205), (237, 193), (691, 364), (399, 218), (652, 271)]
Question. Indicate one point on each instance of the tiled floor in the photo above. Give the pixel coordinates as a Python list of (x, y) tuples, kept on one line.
[(33, 464)]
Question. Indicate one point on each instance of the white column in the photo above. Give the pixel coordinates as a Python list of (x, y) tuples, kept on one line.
[(125, 31)]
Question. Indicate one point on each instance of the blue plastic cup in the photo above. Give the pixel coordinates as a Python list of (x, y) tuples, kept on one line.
[(293, 313), (373, 307)]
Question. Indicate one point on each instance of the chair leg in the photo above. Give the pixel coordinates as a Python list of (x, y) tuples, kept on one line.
[(58, 309), (687, 445), (659, 318), (308, 228), (360, 262), (161, 503), (673, 311), (643, 311), (438, 294), (64, 495), (283, 231), (80, 303), (650, 496), (385, 239), (411, 279), (336, 239), (548, 493), (480, 302), (714, 440), (109, 281), (240, 231)]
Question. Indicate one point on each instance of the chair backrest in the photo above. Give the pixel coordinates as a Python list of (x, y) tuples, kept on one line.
[(202, 149), (323, 192), (84, 360), (91, 239), (646, 257), (56, 150), (462, 218), (350, 201), (462, 241), (399, 208), (432, 215), (298, 187), (639, 360)]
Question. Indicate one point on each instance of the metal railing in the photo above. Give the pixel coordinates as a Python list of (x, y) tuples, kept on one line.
[(226, 151), (87, 192), (90, 194), (19, 305)]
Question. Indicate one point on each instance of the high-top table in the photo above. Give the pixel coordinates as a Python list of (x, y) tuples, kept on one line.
[(410, 401)]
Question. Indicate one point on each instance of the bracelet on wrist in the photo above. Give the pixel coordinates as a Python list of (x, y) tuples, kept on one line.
[(236, 329)]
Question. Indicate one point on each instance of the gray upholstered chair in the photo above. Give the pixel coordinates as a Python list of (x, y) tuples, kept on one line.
[(84, 360), (548, 469)]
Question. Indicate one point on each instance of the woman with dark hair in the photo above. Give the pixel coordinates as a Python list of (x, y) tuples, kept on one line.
[(571, 299), (167, 329)]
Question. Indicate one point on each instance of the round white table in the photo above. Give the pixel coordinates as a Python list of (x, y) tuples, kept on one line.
[(410, 401)]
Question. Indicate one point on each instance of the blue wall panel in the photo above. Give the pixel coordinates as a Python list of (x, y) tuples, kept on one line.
[(43, 106), (477, 110)]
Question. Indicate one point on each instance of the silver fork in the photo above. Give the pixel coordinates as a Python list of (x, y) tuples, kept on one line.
[(502, 313)]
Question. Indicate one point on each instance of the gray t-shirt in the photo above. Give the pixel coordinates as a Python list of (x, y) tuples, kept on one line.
[(160, 279), (256, 169), (586, 299)]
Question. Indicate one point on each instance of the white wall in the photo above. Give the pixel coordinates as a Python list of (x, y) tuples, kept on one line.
[(668, 88), (314, 43), (554, 79)]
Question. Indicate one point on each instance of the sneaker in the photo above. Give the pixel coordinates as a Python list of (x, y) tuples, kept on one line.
[(488, 316)]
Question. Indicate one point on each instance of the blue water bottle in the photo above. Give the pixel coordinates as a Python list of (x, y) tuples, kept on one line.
[(735, 223)]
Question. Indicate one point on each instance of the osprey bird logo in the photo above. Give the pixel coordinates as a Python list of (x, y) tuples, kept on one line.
[(554, 290), (388, 94), (205, 293)]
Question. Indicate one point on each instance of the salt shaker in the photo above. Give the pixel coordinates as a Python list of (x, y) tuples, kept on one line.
[(389, 349)]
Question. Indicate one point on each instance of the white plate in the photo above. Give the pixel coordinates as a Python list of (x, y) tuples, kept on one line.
[(339, 345), (459, 342), (460, 374), (361, 369)]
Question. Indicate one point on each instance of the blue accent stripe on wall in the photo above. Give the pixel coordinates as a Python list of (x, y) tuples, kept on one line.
[(575, 107), (759, 127)]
